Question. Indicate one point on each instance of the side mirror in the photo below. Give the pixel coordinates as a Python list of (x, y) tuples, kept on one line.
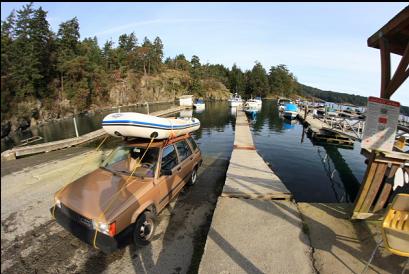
[(166, 172)]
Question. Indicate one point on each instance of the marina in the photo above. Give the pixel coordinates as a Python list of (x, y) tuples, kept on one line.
[(209, 179)]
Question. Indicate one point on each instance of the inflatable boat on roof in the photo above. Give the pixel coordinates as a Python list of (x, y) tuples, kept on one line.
[(132, 124)]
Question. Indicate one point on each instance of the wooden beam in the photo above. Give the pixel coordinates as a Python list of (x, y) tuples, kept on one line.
[(366, 182), (383, 197), (385, 66), (374, 187), (400, 75)]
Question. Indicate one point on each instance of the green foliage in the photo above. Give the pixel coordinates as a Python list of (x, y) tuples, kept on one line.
[(282, 82), (237, 82), (53, 67), (257, 81), (332, 96)]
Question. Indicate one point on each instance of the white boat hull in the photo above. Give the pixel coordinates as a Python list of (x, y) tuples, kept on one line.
[(132, 124), (235, 103), (252, 104), (199, 106)]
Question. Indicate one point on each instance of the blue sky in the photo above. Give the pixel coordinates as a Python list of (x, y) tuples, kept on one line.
[(323, 44)]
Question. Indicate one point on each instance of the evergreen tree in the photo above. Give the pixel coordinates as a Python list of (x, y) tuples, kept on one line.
[(25, 68), (236, 80), (281, 81), (257, 81), (157, 55)]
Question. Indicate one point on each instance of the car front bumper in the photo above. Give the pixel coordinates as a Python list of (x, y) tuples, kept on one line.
[(103, 242)]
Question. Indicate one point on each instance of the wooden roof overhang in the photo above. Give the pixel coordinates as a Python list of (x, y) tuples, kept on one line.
[(393, 38)]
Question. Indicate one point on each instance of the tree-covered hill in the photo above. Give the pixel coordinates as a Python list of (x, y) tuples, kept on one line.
[(47, 75)]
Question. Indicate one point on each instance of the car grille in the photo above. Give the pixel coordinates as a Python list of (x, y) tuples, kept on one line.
[(76, 217)]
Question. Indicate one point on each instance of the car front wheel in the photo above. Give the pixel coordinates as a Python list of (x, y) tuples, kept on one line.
[(144, 229)]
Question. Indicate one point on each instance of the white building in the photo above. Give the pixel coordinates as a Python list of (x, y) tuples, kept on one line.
[(186, 100)]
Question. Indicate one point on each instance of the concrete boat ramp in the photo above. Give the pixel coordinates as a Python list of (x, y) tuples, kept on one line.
[(255, 226)]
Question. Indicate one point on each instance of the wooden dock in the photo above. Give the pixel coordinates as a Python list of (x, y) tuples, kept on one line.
[(248, 176), (335, 133), (255, 228), (15, 152)]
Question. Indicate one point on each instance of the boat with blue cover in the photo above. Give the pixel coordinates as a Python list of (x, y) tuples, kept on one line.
[(290, 111)]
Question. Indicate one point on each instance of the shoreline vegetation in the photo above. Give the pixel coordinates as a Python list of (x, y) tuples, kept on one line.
[(47, 76)]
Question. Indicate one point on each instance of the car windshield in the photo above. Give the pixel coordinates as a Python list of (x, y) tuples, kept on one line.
[(128, 159)]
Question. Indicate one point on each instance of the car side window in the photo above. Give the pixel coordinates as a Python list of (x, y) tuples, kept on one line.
[(193, 143), (183, 150), (169, 158)]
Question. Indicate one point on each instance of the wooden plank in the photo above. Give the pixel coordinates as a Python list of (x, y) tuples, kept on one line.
[(269, 196), (386, 190), (374, 188), (367, 215), (366, 182)]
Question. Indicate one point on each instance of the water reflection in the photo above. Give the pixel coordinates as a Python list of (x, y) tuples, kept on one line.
[(312, 172), (64, 128)]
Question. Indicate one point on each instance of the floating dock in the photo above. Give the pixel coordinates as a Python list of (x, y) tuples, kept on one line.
[(15, 152), (323, 132), (255, 227), (248, 176)]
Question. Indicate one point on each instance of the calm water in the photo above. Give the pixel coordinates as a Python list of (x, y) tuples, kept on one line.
[(62, 129), (313, 173)]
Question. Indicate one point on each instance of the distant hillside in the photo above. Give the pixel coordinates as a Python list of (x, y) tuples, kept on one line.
[(339, 97)]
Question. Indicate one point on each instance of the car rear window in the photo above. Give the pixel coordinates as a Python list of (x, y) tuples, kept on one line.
[(193, 143), (169, 158), (183, 150)]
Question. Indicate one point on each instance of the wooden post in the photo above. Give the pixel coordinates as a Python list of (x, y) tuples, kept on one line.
[(305, 112), (385, 66), (75, 126), (386, 190)]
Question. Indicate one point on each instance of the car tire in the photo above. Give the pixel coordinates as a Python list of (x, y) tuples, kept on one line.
[(193, 177), (144, 229)]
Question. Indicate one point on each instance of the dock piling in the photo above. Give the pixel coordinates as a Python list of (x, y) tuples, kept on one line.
[(75, 126)]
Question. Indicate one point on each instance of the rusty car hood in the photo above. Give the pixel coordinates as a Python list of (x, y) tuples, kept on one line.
[(101, 193)]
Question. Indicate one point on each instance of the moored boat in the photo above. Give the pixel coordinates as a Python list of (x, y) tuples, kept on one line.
[(258, 100), (290, 111), (132, 124), (251, 103), (235, 100), (199, 104), (281, 102)]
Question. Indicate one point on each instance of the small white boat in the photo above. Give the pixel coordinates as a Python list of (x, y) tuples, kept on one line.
[(290, 111), (258, 100), (252, 103), (199, 104), (235, 101), (132, 124)]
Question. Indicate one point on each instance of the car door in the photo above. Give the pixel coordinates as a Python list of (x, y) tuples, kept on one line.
[(196, 151), (168, 183), (185, 155)]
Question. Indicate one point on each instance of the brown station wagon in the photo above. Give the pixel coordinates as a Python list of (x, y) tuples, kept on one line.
[(122, 197)]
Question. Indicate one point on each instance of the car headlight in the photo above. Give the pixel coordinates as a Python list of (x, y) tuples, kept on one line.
[(107, 229), (58, 202)]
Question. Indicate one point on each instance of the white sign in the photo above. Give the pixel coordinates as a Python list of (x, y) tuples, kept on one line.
[(382, 117)]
